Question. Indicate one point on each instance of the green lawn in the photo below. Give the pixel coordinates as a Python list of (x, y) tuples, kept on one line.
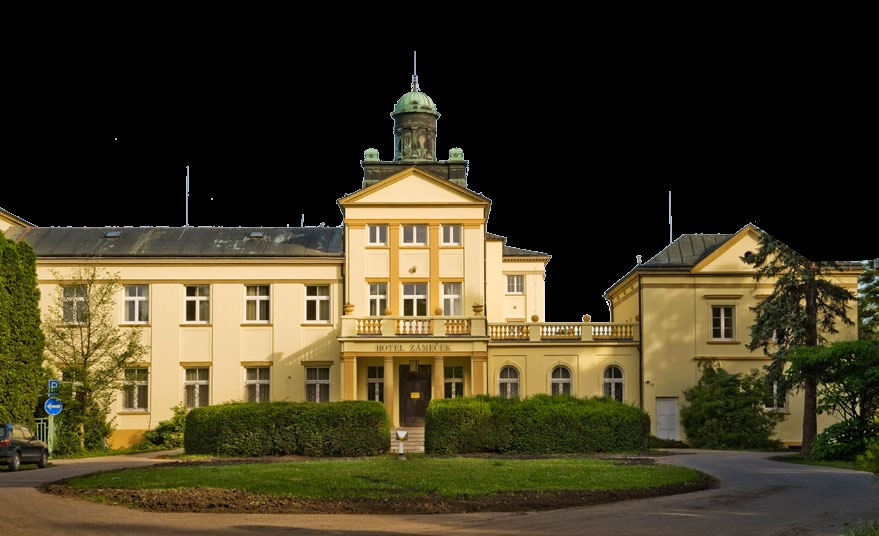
[(414, 477)]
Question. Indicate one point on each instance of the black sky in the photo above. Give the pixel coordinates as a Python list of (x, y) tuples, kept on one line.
[(577, 146)]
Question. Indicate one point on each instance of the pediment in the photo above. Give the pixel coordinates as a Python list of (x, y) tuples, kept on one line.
[(728, 256), (413, 186)]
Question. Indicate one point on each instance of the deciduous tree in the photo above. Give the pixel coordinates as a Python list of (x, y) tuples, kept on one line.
[(90, 350)]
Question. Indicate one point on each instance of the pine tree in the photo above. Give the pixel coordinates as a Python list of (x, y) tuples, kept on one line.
[(802, 309), (868, 301)]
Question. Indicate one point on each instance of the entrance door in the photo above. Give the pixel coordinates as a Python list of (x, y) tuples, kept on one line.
[(414, 394), (667, 418)]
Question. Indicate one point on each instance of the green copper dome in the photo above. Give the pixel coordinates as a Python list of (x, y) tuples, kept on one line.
[(415, 101)]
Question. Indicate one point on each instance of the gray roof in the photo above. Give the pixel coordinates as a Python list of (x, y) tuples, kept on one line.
[(687, 250), (176, 242)]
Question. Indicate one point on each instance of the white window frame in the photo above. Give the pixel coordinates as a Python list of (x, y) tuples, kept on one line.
[(414, 235), (785, 407), (137, 304), (317, 303), (375, 383), (257, 303), (516, 284), (257, 384), (378, 298), (198, 304), (414, 299), (196, 387), (613, 383), (453, 380), (74, 307), (508, 382), (378, 235), (560, 381), (452, 299), (317, 384), (451, 234), (723, 322), (136, 389)]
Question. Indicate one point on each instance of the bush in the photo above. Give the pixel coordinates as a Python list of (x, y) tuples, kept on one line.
[(168, 434), (845, 440), (726, 411)]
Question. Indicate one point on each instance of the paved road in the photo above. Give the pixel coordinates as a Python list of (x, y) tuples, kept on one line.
[(757, 497)]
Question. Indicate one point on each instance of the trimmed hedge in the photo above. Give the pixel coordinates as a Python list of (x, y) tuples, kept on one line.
[(541, 424), (332, 429)]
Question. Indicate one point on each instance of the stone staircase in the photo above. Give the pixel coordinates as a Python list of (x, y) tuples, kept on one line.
[(414, 442)]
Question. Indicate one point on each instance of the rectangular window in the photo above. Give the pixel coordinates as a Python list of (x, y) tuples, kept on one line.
[(378, 298), (415, 299), (776, 397), (198, 303), (378, 235), (415, 235), (317, 384), (722, 322), (257, 303), (454, 381), (74, 310), (196, 387), (375, 383), (256, 384), (135, 389), (452, 299), (451, 235), (515, 284), (317, 303), (137, 303)]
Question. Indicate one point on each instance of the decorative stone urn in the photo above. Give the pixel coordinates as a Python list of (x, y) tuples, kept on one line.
[(477, 308), (348, 308), (438, 311), (587, 318), (535, 318)]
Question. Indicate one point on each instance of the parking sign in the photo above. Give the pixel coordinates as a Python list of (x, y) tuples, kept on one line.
[(54, 386)]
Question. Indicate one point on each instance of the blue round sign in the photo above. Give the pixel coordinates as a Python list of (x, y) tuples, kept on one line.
[(52, 406)]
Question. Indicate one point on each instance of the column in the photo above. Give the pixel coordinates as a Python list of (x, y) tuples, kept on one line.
[(391, 393), (439, 377)]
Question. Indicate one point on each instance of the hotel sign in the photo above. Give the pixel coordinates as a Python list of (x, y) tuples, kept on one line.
[(414, 347)]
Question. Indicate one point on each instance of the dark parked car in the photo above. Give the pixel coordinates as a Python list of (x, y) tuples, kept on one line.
[(18, 445)]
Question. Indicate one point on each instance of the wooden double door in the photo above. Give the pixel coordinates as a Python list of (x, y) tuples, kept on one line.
[(415, 393)]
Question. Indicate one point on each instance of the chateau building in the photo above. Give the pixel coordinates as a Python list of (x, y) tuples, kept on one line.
[(410, 299)]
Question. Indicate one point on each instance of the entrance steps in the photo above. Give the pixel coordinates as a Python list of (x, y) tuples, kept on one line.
[(414, 442)]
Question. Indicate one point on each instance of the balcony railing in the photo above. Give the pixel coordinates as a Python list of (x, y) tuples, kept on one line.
[(477, 326)]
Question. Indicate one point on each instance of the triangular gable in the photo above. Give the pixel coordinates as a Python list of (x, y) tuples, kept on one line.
[(414, 185), (727, 256)]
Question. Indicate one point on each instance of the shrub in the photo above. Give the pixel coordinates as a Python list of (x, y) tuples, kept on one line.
[(726, 411), (168, 434)]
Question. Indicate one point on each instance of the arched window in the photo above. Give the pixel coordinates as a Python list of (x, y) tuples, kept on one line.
[(561, 381), (508, 384), (613, 383)]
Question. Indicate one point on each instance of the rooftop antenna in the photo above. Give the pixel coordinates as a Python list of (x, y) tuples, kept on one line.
[(187, 197), (414, 72), (669, 218)]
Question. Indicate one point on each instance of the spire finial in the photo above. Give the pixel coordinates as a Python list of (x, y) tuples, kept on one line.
[(414, 72)]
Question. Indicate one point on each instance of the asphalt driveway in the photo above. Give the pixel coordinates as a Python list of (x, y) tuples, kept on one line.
[(757, 496)]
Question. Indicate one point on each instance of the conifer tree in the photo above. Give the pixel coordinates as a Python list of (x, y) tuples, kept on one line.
[(803, 308)]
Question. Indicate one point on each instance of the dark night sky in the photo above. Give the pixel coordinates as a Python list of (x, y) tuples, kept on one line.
[(577, 146)]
